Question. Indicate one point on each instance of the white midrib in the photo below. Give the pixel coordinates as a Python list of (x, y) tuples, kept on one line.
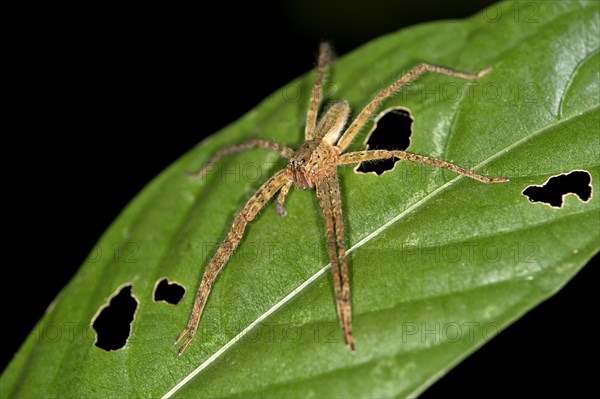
[(359, 244)]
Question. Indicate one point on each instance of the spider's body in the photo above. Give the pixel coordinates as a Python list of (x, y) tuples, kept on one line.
[(311, 161), (314, 165), (318, 157)]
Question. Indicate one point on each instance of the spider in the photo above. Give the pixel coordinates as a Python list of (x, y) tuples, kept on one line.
[(314, 165)]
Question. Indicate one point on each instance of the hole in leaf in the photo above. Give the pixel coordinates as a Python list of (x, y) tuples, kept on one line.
[(113, 322), (391, 131), (171, 293), (556, 188)]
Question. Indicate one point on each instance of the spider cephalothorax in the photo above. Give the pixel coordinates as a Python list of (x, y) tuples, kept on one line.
[(314, 165), (312, 160)]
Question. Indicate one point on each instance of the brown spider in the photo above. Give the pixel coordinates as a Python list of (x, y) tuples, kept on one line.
[(313, 165)]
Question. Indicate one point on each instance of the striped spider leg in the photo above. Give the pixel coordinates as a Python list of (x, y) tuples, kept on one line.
[(314, 165)]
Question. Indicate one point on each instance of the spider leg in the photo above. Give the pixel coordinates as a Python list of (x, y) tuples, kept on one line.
[(272, 146), (371, 107), (280, 207), (371, 155), (328, 193), (316, 93), (216, 264)]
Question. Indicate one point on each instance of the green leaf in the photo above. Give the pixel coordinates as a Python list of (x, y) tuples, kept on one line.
[(439, 263)]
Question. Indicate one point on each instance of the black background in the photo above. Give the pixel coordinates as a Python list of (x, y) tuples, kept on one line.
[(108, 97)]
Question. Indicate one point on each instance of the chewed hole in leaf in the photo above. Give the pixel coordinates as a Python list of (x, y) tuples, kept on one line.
[(171, 293), (391, 131), (113, 321), (556, 188)]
